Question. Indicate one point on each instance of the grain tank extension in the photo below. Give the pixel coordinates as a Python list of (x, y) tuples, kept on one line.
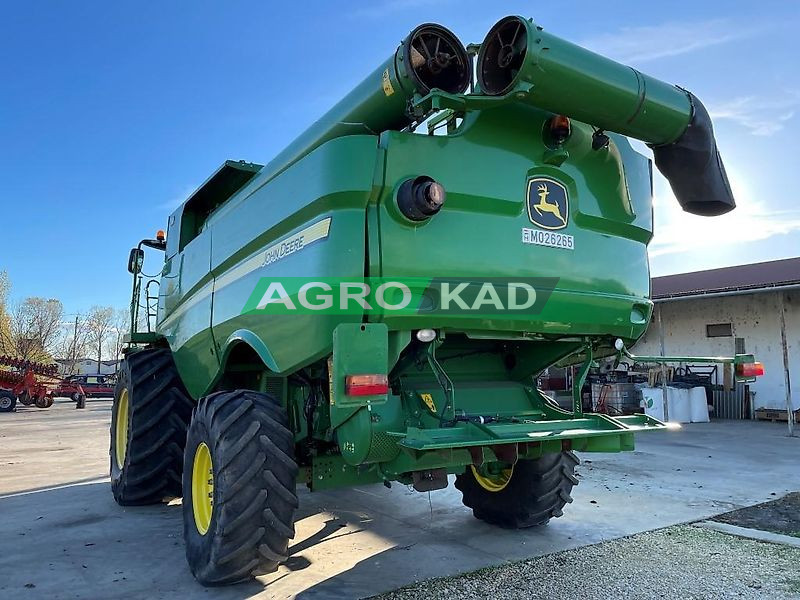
[(376, 304)]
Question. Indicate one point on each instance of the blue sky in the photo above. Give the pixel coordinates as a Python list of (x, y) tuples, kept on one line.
[(111, 113)]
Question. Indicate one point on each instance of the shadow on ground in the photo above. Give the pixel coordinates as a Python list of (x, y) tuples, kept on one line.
[(75, 542)]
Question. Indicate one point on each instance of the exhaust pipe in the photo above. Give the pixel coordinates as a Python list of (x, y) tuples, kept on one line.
[(518, 57)]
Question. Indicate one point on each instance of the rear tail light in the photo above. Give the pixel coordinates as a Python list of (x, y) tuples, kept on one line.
[(560, 129), (754, 369), (366, 385)]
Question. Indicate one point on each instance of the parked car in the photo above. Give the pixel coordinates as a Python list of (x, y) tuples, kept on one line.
[(93, 386)]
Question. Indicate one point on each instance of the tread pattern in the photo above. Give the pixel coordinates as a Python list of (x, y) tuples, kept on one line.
[(159, 411), (537, 492), (252, 449)]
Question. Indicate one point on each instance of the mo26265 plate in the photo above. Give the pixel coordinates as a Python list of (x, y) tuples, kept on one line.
[(548, 238)]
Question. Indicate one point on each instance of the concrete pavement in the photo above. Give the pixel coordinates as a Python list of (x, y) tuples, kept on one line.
[(62, 535)]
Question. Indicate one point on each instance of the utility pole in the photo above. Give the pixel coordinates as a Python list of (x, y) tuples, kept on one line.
[(71, 352), (75, 343), (663, 366), (786, 377)]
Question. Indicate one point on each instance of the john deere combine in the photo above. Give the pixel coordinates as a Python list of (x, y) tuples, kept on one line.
[(376, 303)]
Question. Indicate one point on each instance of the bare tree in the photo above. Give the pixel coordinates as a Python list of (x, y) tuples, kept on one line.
[(99, 326), (5, 288), (34, 328), (5, 325), (121, 324), (73, 342)]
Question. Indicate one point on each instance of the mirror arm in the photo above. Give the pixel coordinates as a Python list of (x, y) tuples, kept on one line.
[(157, 244)]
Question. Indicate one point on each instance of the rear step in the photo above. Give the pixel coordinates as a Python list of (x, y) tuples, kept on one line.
[(588, 427)]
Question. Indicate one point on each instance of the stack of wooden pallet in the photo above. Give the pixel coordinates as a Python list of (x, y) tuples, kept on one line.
[(775, 414)]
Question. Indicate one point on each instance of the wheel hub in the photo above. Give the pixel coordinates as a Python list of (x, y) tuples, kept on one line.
[(492, 481), (202, 488), (121, 430)]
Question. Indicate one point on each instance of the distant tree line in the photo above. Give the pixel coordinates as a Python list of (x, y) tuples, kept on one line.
[(37, 329)]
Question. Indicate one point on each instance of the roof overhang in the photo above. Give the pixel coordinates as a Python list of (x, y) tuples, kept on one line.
[(734, 291)]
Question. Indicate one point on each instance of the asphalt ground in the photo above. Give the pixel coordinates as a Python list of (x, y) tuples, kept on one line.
[(62, 535)]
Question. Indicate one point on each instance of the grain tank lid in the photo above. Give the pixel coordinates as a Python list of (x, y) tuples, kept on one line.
[(224, 182), (693, 167)]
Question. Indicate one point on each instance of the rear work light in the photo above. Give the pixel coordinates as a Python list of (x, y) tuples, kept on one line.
[(754, 369), (420, 198), (366, 385)]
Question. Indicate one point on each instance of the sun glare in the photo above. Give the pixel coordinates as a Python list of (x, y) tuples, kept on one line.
[(680, 232)]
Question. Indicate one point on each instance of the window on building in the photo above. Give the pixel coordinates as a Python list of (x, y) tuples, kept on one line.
[(719, 330)]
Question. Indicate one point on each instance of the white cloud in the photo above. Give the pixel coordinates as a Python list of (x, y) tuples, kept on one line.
[(762, 116), (646, 43), (678, 232)]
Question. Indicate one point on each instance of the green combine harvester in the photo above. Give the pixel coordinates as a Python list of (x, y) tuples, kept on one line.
[(423, 203)]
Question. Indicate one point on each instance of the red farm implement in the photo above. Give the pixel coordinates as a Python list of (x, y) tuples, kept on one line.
[(28, 382)]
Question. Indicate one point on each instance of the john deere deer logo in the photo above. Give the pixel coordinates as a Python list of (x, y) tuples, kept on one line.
[(548, 203)]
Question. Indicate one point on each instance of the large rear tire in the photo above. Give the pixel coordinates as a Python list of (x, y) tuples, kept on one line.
[(239, 478), (149, 419), (528, 494)]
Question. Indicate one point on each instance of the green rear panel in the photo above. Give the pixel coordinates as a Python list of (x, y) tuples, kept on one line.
[(604, 281)]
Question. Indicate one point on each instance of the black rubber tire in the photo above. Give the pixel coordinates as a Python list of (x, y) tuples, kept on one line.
[(537, 492), (44, 402), (254, 499), (8, 401), (75, 396), (159, 410), (81, 401)]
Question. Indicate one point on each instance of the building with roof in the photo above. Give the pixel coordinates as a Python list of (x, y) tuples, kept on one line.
[(751, 308), (85, 366)]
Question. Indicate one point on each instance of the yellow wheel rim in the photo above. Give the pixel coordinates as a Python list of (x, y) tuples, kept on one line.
[(493, 482), (121, 430), (202, 488)]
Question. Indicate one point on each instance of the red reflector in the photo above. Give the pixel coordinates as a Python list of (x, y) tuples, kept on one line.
[(755, 369), (366, 385)]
